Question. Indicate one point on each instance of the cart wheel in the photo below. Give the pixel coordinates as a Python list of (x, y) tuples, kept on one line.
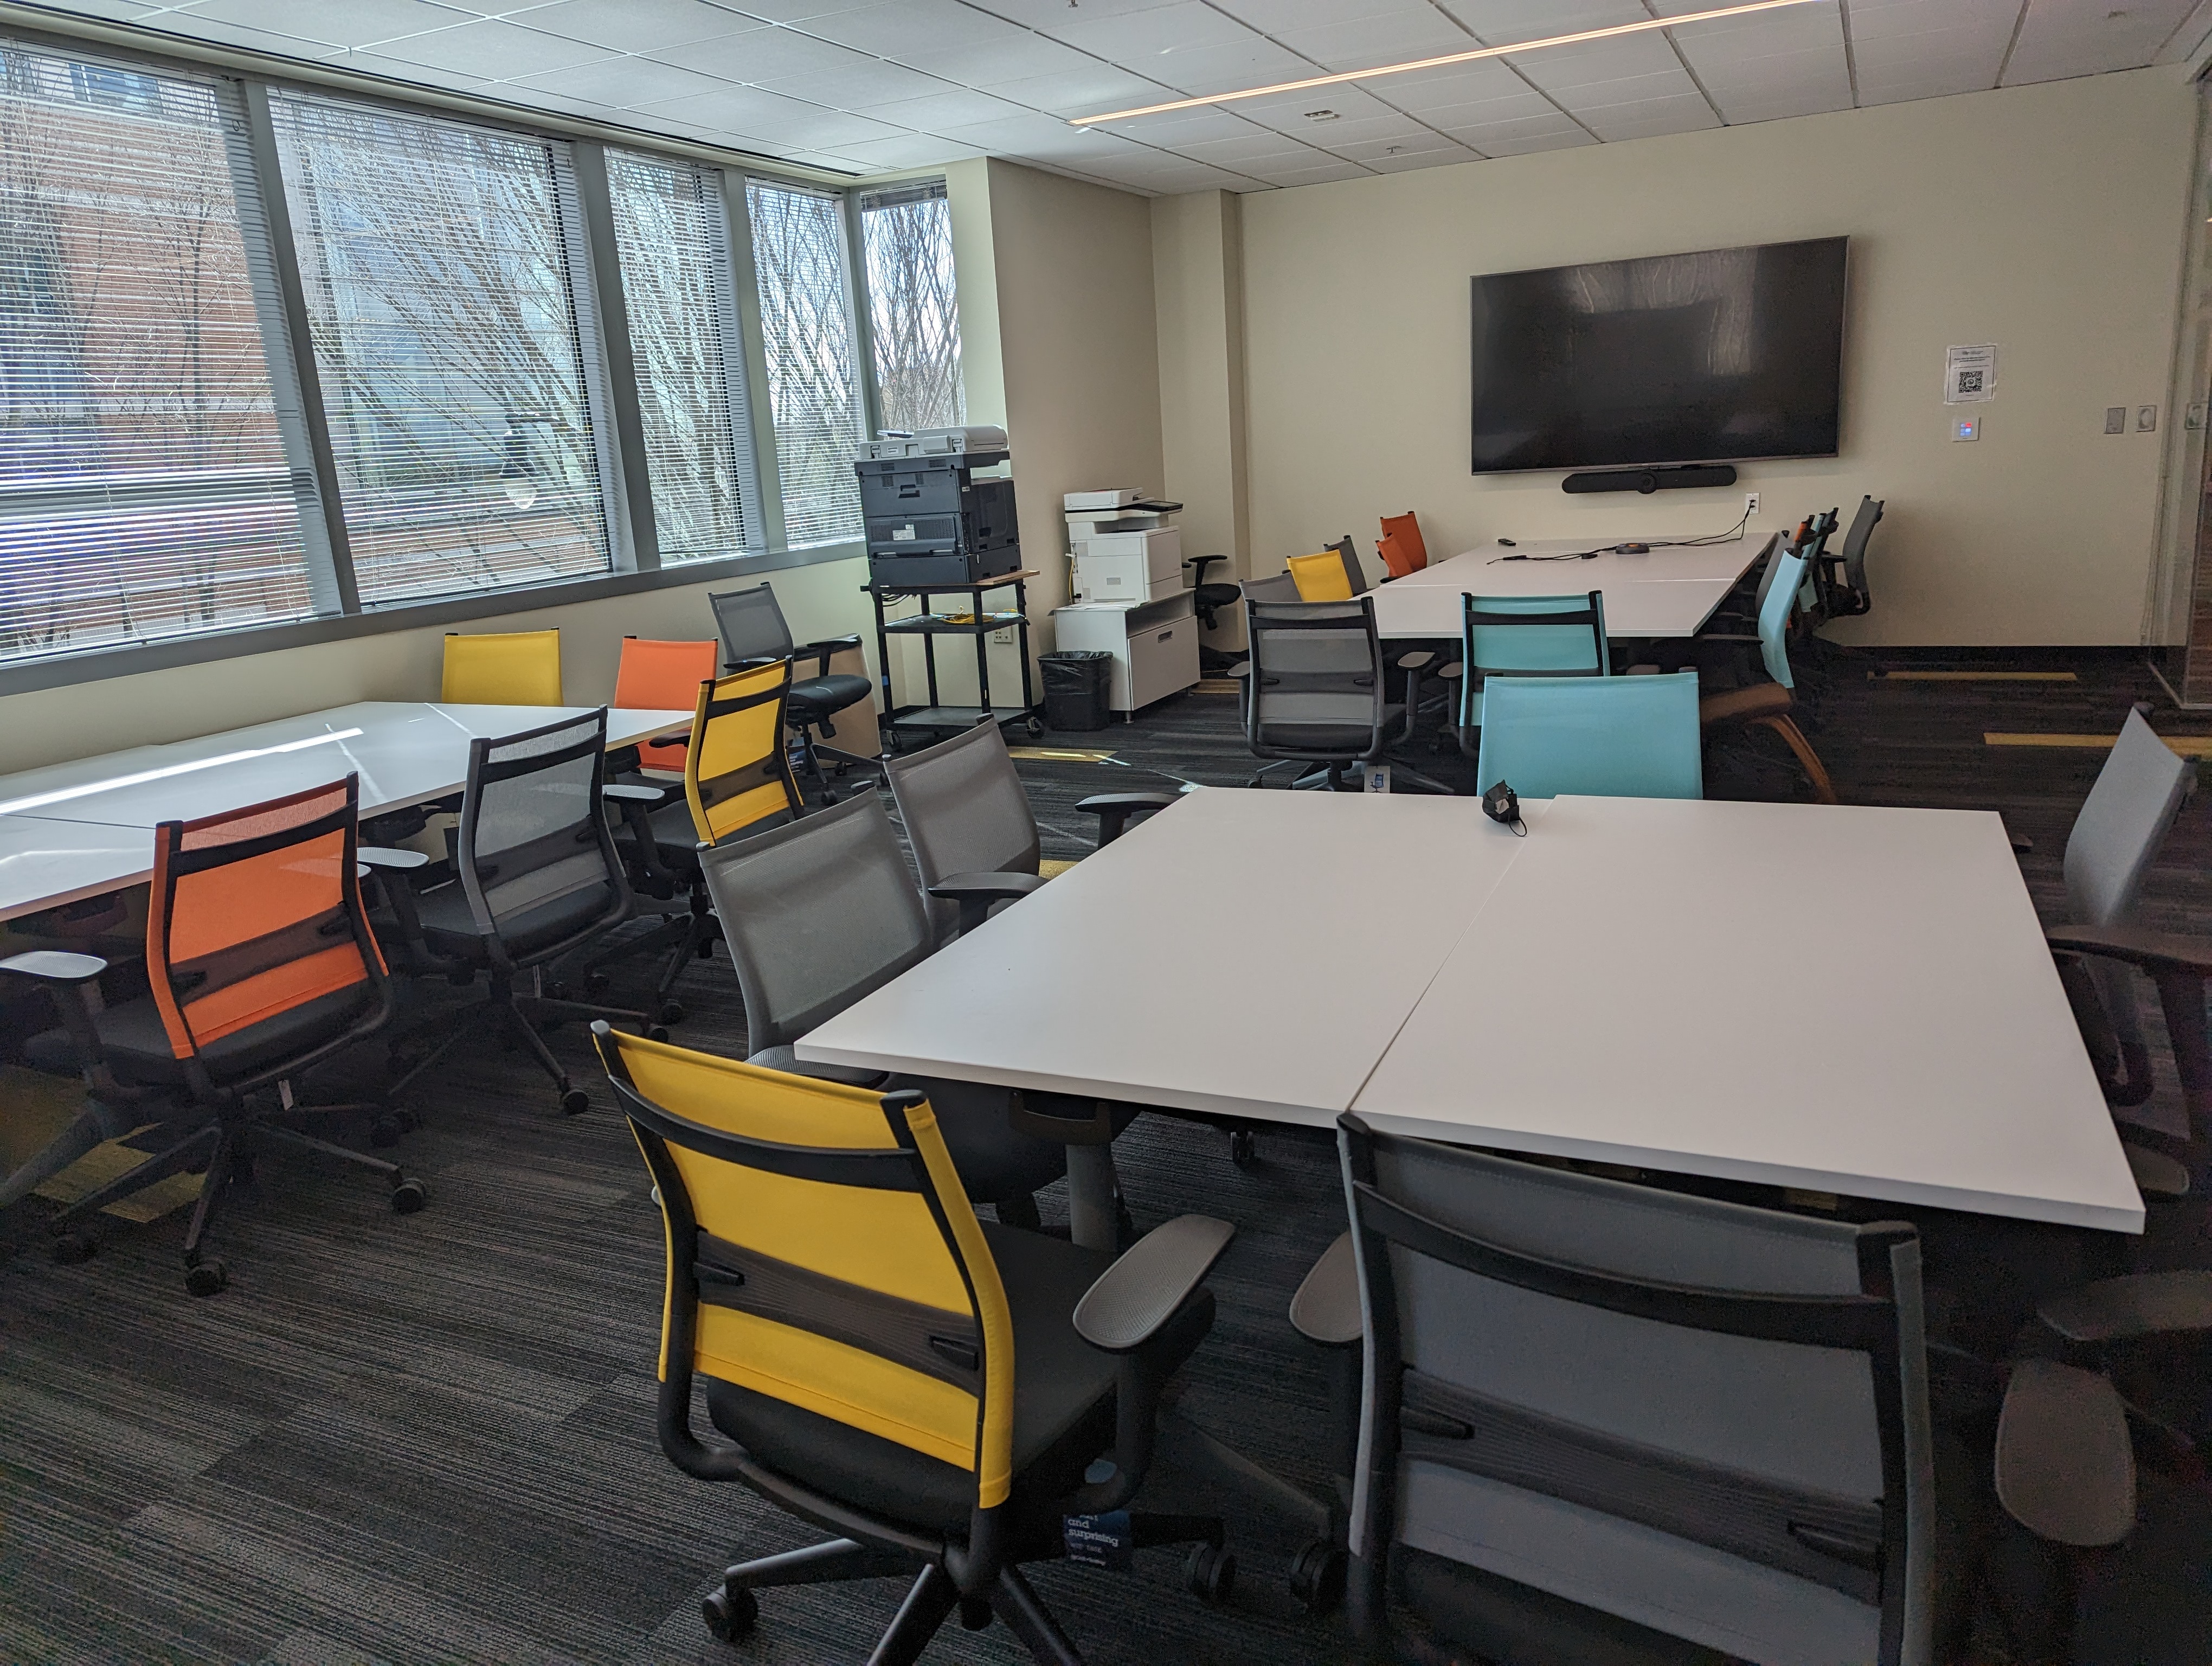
[(1035, 727)]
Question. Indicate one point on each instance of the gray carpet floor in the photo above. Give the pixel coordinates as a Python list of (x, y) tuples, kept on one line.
[(430, 1438)]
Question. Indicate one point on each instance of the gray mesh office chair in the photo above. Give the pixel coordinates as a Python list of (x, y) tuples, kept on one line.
[(1600, 1420), (823, 912), (1354, 573), (1845, 584), (969, 823), (1318, 692), (536, 878), (753, 631)]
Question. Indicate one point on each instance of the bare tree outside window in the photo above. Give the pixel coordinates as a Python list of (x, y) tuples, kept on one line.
[(813, 374), (913, 315), (144, 488)]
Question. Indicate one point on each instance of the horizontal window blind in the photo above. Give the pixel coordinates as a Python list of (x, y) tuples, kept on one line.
[(814, 389), (914, 312), (146, 487), (436, 258), (672, 238)]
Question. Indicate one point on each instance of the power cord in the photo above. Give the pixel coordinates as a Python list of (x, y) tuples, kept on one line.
[(1639, 547)]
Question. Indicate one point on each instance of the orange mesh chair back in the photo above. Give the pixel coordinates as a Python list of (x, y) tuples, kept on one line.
[(1406, 531), (254, 916), (508, 668), (663, 677)]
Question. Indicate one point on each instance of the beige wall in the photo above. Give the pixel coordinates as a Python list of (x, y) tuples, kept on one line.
[(157, 706), (2047, 219)]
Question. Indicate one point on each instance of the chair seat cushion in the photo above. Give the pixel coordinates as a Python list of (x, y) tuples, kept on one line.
[(675, 835), (137, 1047), (787, 1060), (1337, 740), (827, 694), (451, 929), (1063, 1401), (1740, 705)]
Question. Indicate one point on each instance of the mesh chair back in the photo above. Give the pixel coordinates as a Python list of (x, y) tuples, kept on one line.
[(1785, 573), (508, 668), (256, 913), (1767, 557), (1854, 544), (1323, 577), (2123, 823), (1705, 1418), (1407, 529), (822, 1251), (737, 772), (1316, 680), (533, 841), (752, 626), (661, 677), (1354, 573), (1526, 636), (1617, 737), (965, 811), (816, 914), (1282, 587)]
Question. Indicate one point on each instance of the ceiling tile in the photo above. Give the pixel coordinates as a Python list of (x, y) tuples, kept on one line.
[(1045, 14), (1457, 84), (1168, 176), (2068, 37), (1500, 20), (239, 34), (792, 11), (1227, 68), (1363, 43), (1177, 129), (338, 22), (1279, 17), (853, 85), (1769, 65), (915, 150), (1089, 90), (1910, 49), (620, 81), (1523, 106), (1563, 68), (912, 26), (631, 25), (116, 10), (1408, 161), (487, 48), (1313, 174), (1258, 145), (1646, 118), (1403, 150), (1289, 112), (1488, 135), (770, 116), (2187, 41), (1562, 139), (367, 63), (1129, 37), (951, 108), (759, 55), (1016, 56), (1038, 136)]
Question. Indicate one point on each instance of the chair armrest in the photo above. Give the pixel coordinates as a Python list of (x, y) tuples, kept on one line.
[(79, 973), (391, 861), (1419, 659), (1325, 1309), (976, 892), (1115, 809), (54, 966), (389, 869), (622, 792), (823, 650), (1141, 1291), (2155, 951), (2065, 1470), (2138, 1304)]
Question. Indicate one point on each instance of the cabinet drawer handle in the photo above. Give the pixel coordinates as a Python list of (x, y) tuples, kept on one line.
[(1163, 635)]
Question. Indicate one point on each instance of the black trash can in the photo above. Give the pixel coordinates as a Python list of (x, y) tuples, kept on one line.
[(1077, 684)]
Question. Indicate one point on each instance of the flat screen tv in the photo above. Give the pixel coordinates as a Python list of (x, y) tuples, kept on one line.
[(1679, 358)]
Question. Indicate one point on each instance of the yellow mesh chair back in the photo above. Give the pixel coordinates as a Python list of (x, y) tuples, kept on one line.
[(1320, 578), (822, 1251), (509, 668), (735, 772)]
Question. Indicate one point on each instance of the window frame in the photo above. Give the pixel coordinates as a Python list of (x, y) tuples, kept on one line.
[(594, 277)]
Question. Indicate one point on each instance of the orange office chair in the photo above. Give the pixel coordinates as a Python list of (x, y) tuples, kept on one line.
[(262, 966), (1401, 547), (662, 677)]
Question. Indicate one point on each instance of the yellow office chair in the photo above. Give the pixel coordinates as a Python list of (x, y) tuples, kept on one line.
[(932, 1387), (1322, 578), (511, 668)]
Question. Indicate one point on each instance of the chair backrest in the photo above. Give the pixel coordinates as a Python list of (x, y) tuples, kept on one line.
[(1397, 563), (533, 836), (1776, 546), (1532, 636), (506, 668), (1787, 572), (736, 771), (1854, 544), (256, 913), (1316, 680), (661, 677), (1282, 587), (752, 626), (1323, 577), (1617, 737), (1406, 530), (965, 811), (1354, 573), (1705, 1418), (817, 914), (2122, 824), (821, 1251)]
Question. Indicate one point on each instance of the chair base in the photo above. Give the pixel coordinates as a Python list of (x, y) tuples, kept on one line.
[(811, 755), (693, 937), (513, 1011)]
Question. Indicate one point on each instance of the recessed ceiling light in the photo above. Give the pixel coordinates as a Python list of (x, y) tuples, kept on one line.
[(1518, 48), (1321, 115)]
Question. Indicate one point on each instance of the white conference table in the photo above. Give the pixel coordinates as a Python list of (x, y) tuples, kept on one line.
[(1664, 593), (1615, 986), (76, 829)]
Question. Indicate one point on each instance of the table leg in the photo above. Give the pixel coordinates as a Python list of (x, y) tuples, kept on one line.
[(1090, 1196)]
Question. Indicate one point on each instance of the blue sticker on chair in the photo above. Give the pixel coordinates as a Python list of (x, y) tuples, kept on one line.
[(1099, 1541)]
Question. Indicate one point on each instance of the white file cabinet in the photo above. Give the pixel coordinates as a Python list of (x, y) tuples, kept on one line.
[(1154, 645)]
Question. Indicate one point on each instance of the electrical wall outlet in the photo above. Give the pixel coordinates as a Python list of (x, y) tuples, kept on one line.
[(2116, 419), (2145, 419), (1750, 505), (1003, 638)]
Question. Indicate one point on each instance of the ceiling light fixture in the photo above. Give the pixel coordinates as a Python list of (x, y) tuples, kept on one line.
[(1514, 50)]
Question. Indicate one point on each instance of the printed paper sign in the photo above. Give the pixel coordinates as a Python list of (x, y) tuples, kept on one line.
[(1970, 374)]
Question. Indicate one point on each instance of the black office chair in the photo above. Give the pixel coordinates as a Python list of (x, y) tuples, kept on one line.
[(1319, 692), (1845, 572), (754, 631), (1211, 601)]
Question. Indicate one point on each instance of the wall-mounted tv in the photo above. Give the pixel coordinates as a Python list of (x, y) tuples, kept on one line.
[(1679, 358)]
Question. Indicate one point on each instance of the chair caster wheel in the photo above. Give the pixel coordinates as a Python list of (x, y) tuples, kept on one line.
[(1317, 1574), (384, 1131), (206, 1277), (409, 1195), (706, 949), (1210, 1573), (1243, 1149), (730, 1613), (75, 1249), (656, 1032), (556, 989), (574, 1102), (671, 1012), (975, 1614)]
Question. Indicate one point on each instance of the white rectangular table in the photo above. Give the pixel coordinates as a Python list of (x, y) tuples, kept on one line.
[(1665, 593), (76, 829), (1654, 985)]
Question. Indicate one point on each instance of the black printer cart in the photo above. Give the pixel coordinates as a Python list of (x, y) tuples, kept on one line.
[(932, 719)]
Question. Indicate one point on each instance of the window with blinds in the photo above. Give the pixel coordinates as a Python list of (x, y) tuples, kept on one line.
[(914, 313), (147, 489), (813, 380), (436, 257), (673, 239)]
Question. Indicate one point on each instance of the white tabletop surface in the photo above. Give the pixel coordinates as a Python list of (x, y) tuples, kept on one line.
[(1665, 593), (1322, 916), (1848, 1000), (76, 829)]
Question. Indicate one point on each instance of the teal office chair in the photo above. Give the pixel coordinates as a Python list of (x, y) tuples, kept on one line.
[(1525, 636), (1617, 737), (1771, 705)]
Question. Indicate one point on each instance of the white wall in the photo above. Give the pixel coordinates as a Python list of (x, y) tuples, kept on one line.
[(2048, 219)]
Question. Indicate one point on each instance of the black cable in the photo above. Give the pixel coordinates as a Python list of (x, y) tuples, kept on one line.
[(1703, 541)]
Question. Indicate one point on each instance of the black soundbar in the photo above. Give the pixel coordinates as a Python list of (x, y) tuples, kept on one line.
[(1647, 481)]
